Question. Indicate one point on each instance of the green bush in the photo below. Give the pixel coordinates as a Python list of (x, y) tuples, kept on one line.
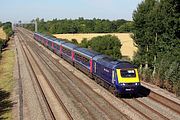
[(7, 27), (74, 41), (84, 43), (107, 44)]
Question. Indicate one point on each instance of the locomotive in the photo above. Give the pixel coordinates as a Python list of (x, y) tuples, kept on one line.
[(119, 76)]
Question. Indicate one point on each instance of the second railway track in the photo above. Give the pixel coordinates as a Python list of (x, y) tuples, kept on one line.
[(38, 72), (61, 73)]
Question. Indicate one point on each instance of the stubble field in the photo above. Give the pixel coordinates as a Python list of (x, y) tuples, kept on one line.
[(2, 34)]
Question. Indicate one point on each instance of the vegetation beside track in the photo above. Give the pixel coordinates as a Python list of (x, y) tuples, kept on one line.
[(6, 83), (157, 36), (6, 74), (5, 33)]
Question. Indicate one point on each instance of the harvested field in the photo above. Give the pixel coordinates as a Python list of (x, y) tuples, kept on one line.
[(128, 49), (2, 34)]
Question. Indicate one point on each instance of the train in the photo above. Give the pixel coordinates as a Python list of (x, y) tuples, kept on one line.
[(118, 76)]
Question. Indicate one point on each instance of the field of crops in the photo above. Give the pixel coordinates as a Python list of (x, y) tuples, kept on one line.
[(127, 48)]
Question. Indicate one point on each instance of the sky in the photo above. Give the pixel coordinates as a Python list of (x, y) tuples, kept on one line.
[(26, 10)]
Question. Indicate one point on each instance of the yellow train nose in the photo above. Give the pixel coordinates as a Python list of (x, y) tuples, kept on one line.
[(127, 76)]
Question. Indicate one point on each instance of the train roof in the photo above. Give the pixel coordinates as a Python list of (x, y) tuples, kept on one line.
[(69, 45), (59, 42), (112, 63), (100, 58), (40, 34), (86, 52), (49, 38)]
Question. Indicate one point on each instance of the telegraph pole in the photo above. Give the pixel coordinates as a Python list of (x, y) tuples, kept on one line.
[(36, 26), (12, 26)]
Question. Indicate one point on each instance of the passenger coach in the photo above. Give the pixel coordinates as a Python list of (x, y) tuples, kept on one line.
[(84, 60)]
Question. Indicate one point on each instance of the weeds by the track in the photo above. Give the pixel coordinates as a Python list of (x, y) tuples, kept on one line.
[(6, 83)]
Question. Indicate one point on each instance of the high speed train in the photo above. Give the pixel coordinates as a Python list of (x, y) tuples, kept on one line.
[(119, 76)]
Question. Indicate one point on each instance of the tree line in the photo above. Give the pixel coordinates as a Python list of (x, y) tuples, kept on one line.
[(156, 28), (80, 25)]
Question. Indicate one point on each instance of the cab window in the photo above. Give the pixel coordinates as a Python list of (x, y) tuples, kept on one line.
[(128, 73)]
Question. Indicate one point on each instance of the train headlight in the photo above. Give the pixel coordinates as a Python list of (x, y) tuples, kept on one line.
[(136, 83), (122, 84)]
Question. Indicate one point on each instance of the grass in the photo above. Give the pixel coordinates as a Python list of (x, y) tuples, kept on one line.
[(6, 83), (128, 49), (6, 70)]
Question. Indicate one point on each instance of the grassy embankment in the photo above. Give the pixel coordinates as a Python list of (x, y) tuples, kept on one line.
[(128, 49), (6, 79)]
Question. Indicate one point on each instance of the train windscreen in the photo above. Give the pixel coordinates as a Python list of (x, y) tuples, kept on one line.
[(128, 73)]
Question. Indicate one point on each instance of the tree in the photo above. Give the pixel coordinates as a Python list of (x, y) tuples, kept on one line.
[(142, 36), (7, 27), (84, 43), (74, 41), (126, 27), (1, 24), (156, 34), (108, 44)]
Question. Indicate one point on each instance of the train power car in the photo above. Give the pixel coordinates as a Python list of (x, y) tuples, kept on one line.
[(121, 77)]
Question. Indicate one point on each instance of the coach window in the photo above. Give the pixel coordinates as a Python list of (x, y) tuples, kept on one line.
[(69, 52), (79, 57), (63, 49), (49, 41), (58, 47), (76, 56), (55, 46)]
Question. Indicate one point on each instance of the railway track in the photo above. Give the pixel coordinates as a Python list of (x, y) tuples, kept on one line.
[(32, 62), (154, 96), (40, 88), (136, 104), (165, 101), (20, 87), (87, 92), (174, 106)]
